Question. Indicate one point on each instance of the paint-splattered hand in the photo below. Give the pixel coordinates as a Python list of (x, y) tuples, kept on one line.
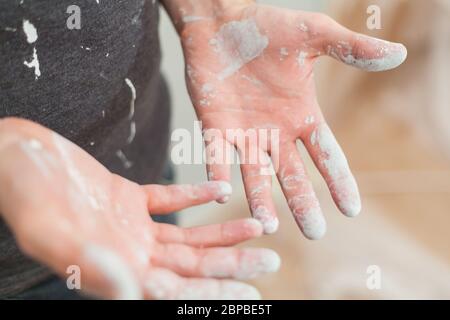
[(250, 68), (66, 209)]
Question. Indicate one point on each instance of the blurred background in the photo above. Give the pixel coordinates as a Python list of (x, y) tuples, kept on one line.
[(395, 130)]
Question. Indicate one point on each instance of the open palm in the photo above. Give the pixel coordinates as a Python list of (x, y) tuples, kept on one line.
[(251, 68), (66, 209)]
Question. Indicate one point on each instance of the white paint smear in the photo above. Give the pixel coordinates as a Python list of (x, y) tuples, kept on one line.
[(80, 192), (270, 223), (283, 53), (34, 151), (391, 55), (312, 223), (301, 58), (333, 159), (309, 119), (238, 42), (115, 269), (188, 19)]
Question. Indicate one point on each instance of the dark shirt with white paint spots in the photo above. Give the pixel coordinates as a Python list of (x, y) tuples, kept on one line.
[(99, 86)]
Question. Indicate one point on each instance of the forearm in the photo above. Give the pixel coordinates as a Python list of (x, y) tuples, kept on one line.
[(183, 12)]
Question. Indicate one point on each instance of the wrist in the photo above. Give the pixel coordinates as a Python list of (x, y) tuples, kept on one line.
[(184, 13)]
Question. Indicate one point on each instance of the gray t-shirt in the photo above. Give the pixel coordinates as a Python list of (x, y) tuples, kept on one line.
[(82, 83)]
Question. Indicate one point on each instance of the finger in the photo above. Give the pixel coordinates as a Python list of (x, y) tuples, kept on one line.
[(216, 262), (258, 189), (217, 153), (332, 164), (355, 49), (167, 199), (164, 284), (225, 234), (299, 193)]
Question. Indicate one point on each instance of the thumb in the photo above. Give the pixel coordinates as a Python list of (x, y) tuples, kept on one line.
[(358, 50)]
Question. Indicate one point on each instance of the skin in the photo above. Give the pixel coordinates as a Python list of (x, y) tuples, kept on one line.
[(65, 209), (275, 89), (53, 190)]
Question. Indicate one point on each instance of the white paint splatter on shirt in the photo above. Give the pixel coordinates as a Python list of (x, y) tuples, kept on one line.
[(34, 64), (133, 97), (32, 36), (30, 31)]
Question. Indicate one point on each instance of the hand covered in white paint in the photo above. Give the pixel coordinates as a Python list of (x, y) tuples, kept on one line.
[(251, 67), (66, 209)]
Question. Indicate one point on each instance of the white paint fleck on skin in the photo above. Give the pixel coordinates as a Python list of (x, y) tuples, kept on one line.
[(390, 55), (132, 132), (188, 19), (34, 64), (127, 164), (191, 73), (133, 97), (204, 102), (81, 191), (283, 53), (35, 144), (303, 27), (292, 181), (260, 188), (336, 165), (115, 270), (30, 31), (252, 80), (34, 151), (207, 89), (301, 58), (309, 119), (225, 188), (268, 220), (238, 42), (10, 29)]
